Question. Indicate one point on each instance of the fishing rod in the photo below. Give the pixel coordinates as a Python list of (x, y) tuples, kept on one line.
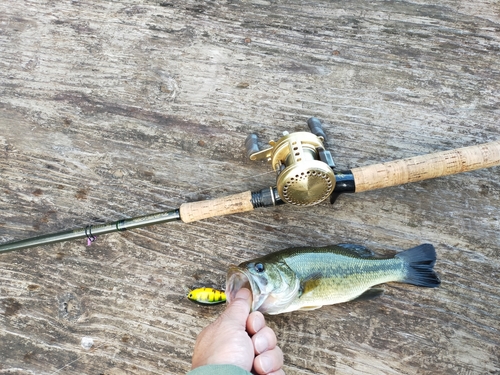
[(306, 176)]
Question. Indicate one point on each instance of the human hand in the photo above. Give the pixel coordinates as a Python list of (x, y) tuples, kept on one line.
[(239, 338)]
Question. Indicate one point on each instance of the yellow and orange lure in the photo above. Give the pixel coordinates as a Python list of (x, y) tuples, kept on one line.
[(207, 296)]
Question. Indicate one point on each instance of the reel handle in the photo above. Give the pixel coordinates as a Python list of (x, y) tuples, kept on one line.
[(423, 167), (316, 128), (251, 145)]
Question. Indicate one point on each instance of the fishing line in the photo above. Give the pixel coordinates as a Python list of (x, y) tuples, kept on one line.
[(107, 341), (90, 238), (84, 354), (306, 176), (191, 193)]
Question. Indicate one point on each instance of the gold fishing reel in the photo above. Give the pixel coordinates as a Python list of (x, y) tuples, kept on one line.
[(304, 168)]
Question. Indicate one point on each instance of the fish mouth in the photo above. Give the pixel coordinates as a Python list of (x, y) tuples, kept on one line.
[(237, 279)]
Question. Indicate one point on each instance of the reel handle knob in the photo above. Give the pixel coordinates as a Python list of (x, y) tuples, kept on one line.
[(251, 145), (316, 128)]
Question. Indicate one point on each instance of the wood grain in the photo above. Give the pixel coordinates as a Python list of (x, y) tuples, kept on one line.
[(115, 109)]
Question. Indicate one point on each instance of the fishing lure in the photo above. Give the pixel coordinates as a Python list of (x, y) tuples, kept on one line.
[(207, 296)]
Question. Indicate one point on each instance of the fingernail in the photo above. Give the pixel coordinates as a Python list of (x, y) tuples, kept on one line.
[(243, 293), (266, 364), (260, 344)]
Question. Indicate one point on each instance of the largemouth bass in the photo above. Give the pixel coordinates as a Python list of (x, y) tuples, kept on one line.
[(307, 278)]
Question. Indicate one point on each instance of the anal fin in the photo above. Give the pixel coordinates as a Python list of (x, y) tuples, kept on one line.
[(369, 294), (309, 308)]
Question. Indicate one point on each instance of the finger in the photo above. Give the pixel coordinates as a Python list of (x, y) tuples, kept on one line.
[(279, 372), (264, 340), (255, 322), (237, 311), (268, 362)]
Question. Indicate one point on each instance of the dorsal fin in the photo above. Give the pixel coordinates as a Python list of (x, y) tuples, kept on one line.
[(357, 250)]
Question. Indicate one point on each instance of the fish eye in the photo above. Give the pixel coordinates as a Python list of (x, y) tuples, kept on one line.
[(259, 267)]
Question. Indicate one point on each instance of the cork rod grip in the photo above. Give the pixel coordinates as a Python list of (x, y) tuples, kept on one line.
[(423, 167), (231, 204)]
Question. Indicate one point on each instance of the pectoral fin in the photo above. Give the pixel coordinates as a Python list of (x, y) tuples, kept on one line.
[(309, 284)]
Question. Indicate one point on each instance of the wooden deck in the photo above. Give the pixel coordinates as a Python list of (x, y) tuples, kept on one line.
[(117, 109)]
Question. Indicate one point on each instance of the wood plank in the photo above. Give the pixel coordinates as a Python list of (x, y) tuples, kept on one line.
[(119, 109)]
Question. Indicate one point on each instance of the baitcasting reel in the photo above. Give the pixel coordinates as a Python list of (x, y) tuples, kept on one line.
[(304, 168)]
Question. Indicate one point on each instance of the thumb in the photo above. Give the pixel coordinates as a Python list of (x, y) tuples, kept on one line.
[(239, 309)]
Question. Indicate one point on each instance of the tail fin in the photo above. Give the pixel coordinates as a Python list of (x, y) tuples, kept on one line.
[(420, 261)]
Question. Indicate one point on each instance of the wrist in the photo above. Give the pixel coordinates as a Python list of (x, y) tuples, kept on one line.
[(219, 370)]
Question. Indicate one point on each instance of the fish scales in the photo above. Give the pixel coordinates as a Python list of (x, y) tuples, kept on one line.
[(308, 278), (331, 277)]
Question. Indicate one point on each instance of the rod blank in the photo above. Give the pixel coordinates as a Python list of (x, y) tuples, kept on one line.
[(93, 230)]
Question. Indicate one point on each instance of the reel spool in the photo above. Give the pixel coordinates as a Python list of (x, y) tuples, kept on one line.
[(304, 168)]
